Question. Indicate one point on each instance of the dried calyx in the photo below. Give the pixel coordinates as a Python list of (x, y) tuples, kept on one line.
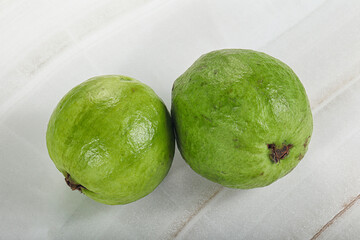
[(277, 154), (73, 185)]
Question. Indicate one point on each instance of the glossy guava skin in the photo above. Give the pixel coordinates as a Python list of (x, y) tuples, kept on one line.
[(113, 135), (229, 106)]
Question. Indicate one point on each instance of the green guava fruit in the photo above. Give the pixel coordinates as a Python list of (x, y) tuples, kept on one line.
[(242, 118), (112, 139)]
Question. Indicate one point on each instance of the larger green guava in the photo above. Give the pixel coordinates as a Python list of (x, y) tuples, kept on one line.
[(242, 118), (112, 139)]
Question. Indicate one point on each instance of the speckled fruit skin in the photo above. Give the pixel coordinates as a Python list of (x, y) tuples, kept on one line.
[(230, 106), (113, 136)]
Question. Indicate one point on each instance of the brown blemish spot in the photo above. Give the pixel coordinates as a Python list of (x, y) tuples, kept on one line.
[(279, 153), (207, 118), (306, 142), (202, 67), (133, 90), (233, 100), (300, 156), (215, 71), (74, 186), (236, 143), (262, 173)]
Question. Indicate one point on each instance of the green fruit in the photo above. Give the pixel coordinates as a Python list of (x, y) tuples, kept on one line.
[(112, 139), (242, 118)]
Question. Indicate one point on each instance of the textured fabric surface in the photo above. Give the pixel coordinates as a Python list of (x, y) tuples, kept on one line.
[(48, 47)]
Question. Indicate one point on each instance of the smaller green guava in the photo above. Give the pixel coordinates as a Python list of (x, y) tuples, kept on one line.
[(112, 139), (242, 118)]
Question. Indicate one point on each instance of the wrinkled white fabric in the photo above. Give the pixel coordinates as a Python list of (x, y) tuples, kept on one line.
[(48, 47)]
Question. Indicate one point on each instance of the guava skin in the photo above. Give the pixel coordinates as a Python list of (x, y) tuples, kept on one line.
[(242, 118), (112, 139)]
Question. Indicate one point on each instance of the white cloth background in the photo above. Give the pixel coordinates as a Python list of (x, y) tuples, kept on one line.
[(48, 47)]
